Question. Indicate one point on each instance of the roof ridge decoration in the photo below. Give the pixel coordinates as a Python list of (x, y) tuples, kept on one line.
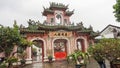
[(58, 5), (33, 25)]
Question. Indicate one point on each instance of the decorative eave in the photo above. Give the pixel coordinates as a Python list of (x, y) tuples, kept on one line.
[(58, 6), (84, 31), (90, 31), (60, 27), (94, 34), (26, 30), (47, 11), (69, 13)]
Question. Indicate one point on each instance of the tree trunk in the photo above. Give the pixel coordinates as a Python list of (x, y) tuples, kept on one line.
[(111, 64), (102, 64), (9, 65)]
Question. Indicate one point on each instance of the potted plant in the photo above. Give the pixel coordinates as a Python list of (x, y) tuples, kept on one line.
[(23, 61), (50, 57), (79, 58)]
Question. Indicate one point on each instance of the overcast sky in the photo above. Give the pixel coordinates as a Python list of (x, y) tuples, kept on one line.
[(98, 13)]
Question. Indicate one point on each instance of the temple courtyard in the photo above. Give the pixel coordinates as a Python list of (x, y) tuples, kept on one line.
[(64, 64)]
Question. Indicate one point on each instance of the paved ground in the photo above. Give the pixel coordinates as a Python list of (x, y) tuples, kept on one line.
[(63, 64)]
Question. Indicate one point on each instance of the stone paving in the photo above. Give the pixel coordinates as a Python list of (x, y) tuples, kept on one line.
[(63, 64)]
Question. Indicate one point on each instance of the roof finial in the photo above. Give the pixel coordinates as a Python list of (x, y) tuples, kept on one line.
[(43, 7), (90, 27)]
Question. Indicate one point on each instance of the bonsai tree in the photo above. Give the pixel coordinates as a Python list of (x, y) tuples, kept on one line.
[(79, 58)]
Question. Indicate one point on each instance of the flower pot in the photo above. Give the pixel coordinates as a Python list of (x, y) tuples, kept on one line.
[(23, 61), (78, 66), (50, 58)]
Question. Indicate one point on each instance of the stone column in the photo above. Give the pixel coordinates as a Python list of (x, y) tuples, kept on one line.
[(52, 47), (69, 46), (85, 44), (44, 48), (28, 51)]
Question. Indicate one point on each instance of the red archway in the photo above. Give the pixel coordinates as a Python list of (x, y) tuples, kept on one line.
[(60, 49), (38, 47), (80, 44)]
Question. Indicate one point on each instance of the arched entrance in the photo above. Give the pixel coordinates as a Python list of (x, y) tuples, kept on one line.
[(60, 49), (37, 51), (80, 44)]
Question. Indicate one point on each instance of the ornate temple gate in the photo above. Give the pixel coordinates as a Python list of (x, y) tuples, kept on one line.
[(57, 34)]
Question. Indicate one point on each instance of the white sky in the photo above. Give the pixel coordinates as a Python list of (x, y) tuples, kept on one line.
[(98, 13)]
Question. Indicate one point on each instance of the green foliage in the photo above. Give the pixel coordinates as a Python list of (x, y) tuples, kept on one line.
[(111, 48), (116, 8), (78, 57), (23, 45), (12, 59), (22, 55), (50, 57), (106, 48), (22, 61), (49, 52), (3, 65), (34, 51), (96, 52), (10, 37)]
